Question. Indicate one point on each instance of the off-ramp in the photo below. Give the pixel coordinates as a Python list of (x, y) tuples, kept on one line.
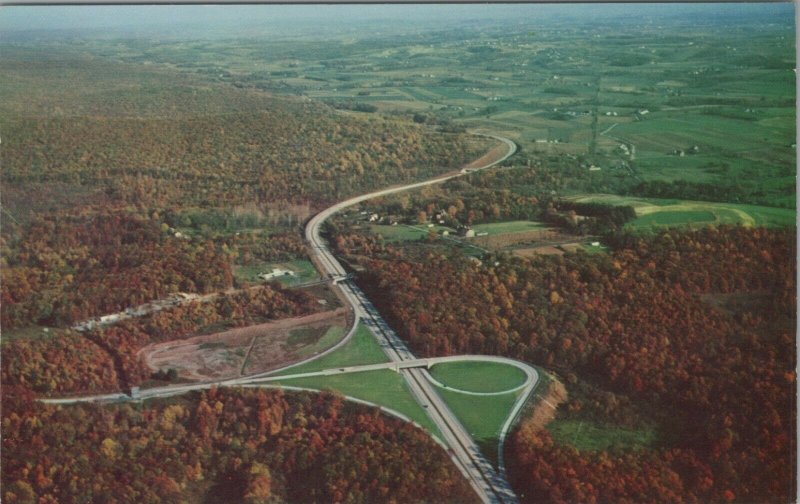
[(490, 485)]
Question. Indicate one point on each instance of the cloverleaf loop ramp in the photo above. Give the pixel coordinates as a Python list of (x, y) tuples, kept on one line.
[(490, 484)]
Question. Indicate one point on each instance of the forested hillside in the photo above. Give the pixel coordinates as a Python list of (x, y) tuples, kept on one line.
[(126, 183), (114, 174), (250, 446), (158, 139), (681, 332), (638, 247)]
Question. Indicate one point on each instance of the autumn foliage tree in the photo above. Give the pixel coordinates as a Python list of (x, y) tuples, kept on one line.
[(693, 326), (221, 445)]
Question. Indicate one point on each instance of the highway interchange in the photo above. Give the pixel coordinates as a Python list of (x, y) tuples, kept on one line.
[(490, 485)]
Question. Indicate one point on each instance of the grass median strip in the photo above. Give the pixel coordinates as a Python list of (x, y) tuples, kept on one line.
[(482, 416)]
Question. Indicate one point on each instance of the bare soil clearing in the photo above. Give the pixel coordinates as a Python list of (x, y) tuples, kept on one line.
[(536, 237), (544, 410), (245, 350), (534, 251)]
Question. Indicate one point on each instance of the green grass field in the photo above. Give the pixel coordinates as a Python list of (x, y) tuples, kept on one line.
[(496, 228), (655, 212), (592, 249), (588, 436), (328, 339), (303, 268), (482, 416), (402, 232), (669, 218), (30, 332), (384, 387), (478, 376), (361, 349), (734, 108)]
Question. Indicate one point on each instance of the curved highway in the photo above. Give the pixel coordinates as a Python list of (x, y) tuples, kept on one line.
[(490, 485)]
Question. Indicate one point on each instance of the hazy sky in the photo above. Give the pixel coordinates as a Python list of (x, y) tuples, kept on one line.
[(149, 17)]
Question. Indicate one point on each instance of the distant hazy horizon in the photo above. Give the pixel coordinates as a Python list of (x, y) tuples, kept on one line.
[(165, 19)]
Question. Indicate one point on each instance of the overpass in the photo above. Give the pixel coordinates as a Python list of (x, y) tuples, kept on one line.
[(490, 485)]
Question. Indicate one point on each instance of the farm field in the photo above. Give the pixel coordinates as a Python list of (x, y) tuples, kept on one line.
[(405, 232), (637, 246), (537, 251), (478, 376), (516, 240), (628, 105), (656, 212), (509, 227)]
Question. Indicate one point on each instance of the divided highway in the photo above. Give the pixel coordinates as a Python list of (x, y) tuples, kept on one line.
[(490, 485)]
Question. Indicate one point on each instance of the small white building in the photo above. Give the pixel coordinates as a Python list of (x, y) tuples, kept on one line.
[(275, 273)]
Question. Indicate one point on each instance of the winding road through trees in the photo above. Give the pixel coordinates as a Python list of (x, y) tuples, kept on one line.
[(491, 485)]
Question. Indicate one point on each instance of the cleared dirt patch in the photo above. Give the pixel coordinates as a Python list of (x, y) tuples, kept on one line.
[(247, 350), (509, 239), (503, 240), (544, 410), (570, 247), (534, 251)]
